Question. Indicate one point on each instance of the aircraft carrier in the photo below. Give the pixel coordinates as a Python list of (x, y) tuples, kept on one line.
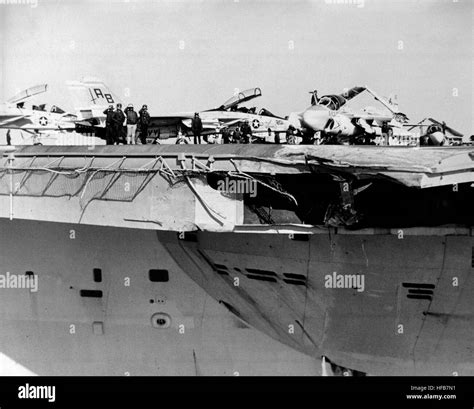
[(237, 260)]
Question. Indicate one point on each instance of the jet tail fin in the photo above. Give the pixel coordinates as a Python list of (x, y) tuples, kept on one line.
[(91, 97)]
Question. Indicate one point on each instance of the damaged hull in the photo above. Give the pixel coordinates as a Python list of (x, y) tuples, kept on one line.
[(359, 254), (413, 316)]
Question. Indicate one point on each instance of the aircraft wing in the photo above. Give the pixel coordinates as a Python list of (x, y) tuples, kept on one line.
[(33, 127), (399, 116), (448, 128), (10, 119), (422, 123), (171, 120), (23, 122), (184, 121), (419, 124), (353, 92), (369, 116), (16, 122)]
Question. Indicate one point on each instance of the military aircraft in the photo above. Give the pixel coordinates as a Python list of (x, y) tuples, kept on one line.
[(43, 123), (332, 121), (230, 114), (436, 133), (91, 97), (15, 114)]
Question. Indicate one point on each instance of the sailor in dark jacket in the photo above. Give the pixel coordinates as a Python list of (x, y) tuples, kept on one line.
[(246, 132), (119, 119), (109, 125), (237, 136), (196, 127), (143, 123), (225, 135)]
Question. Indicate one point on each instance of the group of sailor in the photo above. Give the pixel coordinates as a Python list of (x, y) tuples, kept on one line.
[(121, 126)]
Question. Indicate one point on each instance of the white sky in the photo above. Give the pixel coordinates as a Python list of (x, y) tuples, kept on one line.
[(241, 44)]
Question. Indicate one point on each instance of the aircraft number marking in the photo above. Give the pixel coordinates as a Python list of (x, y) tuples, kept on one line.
[(98, 93)]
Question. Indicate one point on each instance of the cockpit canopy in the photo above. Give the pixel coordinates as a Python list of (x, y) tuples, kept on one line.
[(20, 100), (241, 97), (434, 128), (333, 102), (27, 93)]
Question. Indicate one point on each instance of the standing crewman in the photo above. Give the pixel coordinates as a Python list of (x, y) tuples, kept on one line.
[(291, 135), (246, 132), (385, 133), (118, 118), (225, 135), (9, 138), (196, 127), (237, 136), (36, 137), (109, 125), (144, 121), (132, 120)]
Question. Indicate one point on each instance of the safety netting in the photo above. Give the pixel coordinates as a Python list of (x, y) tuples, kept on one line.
[(113, 183)]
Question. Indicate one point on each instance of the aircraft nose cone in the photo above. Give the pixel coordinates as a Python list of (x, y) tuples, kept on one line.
[(437, 138), (315, 119)]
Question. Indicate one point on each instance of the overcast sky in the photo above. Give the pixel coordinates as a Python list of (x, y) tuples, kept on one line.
[(191, 55)]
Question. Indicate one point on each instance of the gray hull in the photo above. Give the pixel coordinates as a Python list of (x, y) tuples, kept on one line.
[(62, 330), (414, 315)]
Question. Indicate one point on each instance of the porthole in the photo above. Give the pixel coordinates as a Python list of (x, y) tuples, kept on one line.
[(160, 320)]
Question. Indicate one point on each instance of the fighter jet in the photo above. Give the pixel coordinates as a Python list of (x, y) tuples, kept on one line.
[(332, 122), (34, 118), (436, 133), (41, 123), (91, 97), (230, 114)]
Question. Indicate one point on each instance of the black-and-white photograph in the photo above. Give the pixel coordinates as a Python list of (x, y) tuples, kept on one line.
[(253, 188)]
